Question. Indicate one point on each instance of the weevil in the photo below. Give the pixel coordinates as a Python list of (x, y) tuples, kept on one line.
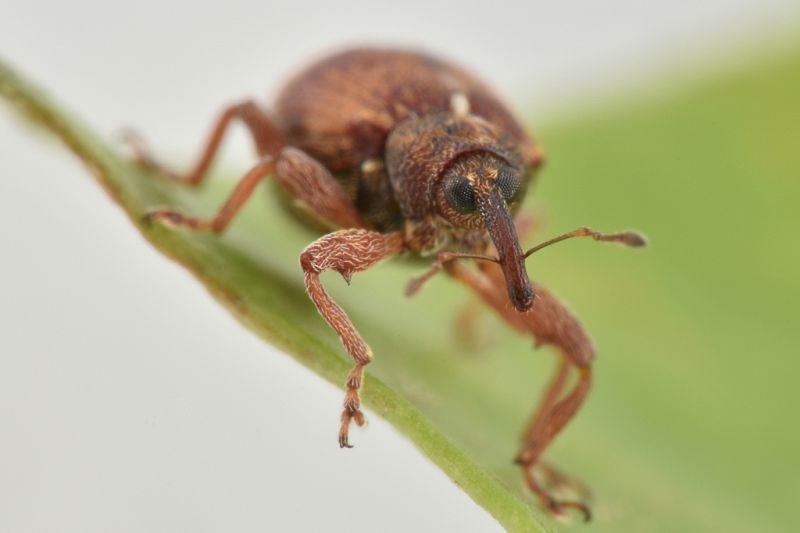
[(398, 152)]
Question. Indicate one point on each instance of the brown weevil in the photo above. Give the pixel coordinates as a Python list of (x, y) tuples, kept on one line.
[(399, 152)]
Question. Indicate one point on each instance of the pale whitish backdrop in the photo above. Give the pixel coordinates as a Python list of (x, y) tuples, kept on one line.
[(129, 400)]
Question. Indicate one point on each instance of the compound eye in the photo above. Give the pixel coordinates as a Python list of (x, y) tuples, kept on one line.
[(460, 194), (508, 182)]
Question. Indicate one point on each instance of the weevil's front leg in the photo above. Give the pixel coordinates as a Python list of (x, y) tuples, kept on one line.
[(553, 477), (550, 323), (305, 179), (346, 252), (265, 133), (552, 393), (467, 326)]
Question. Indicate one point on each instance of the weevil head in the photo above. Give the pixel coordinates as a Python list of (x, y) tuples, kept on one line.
[(468, 173), (480, 190)]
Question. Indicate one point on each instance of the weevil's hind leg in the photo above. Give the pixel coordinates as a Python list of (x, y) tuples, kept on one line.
[(470, 333), (550, 323), (265, 133), (306, 180), (346, 252)]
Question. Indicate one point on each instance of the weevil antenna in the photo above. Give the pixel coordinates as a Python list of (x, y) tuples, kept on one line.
[(628, 238)]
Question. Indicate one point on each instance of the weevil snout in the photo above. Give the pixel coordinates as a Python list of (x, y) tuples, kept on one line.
[(475, 193), (501, 229)]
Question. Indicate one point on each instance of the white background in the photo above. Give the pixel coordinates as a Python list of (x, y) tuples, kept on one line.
[(129, 400)]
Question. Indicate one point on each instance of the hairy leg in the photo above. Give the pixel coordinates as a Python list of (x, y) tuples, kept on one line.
[(550, 323), (265, 133), (346, 252), (306, 180)]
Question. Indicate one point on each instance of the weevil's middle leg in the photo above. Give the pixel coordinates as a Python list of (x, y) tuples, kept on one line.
[(346, 252), (232, 205), (305, 179), (265, 133)]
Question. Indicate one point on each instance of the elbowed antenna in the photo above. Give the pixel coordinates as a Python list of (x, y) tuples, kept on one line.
[(501, 229), (633, 239)]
